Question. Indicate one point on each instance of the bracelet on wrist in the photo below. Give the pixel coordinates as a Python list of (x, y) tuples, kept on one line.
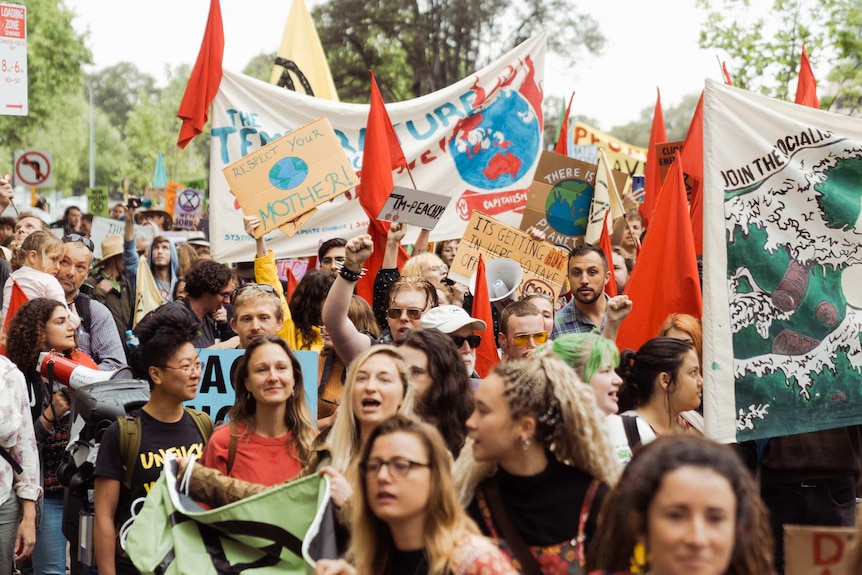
[(45, 417), (351, 275)]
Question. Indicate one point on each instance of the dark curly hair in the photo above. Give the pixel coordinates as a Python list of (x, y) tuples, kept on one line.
[(640, 370), (206, 277), (297, 415), (449, 401), (623, 518), (160, 334), (28, 335), (307, 301)]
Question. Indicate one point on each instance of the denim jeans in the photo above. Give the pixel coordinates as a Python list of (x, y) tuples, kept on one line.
[(49, 555), (9, 514)]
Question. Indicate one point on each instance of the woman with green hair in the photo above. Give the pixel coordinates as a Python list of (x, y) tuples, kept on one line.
[(595, 359)]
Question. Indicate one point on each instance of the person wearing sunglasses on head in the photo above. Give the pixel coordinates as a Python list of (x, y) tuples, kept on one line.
[(97, 333), (301, 330), (522, 330), (209, 285)]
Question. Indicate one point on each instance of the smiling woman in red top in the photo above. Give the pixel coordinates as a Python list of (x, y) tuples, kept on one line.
[(269, 438)]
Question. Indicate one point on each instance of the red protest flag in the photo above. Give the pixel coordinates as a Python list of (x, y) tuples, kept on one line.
[(806, 85), (664, 279), (382, 154), (16, 300), (562, 146), (486, 354), (652, 176), (204, 80), (692, 167), (605, 245)]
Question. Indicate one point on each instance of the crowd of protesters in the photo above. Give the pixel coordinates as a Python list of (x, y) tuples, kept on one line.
[(569, 456)]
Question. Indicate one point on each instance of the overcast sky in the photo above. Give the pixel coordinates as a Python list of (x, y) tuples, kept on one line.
[(649, 44)]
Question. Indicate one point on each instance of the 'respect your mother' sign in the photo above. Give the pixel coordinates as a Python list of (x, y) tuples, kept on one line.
[(284, 181)]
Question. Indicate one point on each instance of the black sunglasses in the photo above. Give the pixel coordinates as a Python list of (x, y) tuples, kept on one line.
[(472, 340), (71, 238), (262, 287)]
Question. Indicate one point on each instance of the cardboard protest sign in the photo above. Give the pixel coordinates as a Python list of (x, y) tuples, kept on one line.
[(543, 263), (284, 181), (215, 391), (414, 207), (97, 201), (188, 208), (665, 154), (810, 550), (623, 157), (171, 196), (560, 198), (104, 227)]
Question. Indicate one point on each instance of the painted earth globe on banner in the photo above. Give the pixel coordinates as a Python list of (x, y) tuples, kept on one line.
[(498, 145), (567, 207), (287, 173)]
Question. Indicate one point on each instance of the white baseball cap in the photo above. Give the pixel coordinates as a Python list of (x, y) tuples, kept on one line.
[(449, 319)]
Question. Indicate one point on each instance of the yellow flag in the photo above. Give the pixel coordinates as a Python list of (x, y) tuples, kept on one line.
[(606, 197), (306, 62), (147, 297)]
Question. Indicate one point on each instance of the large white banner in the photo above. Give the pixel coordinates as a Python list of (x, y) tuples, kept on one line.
[(477, 141), (782, 267)]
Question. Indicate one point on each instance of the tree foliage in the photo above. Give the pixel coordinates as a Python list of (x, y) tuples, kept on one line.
[(119, 88), (416, 47), (676, 121), (765, 45)]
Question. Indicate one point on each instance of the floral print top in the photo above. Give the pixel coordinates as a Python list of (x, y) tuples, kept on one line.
[(17, 436)]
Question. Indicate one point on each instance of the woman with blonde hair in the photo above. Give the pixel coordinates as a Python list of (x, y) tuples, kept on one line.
[(330, 365), (406, 517), (684, 505), (538, 463)]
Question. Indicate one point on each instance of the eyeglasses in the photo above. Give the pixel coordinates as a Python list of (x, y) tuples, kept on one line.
[(188, 369), (262, 287), (412, 313), (71, 238), (472, 340), (398, 466), (523, 339)]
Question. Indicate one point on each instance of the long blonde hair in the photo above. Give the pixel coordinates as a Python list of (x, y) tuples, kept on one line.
[(344, 441), (372, 546), (568, 421)]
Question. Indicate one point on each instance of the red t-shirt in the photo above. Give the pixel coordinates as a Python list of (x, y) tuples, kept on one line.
[(258, 459)]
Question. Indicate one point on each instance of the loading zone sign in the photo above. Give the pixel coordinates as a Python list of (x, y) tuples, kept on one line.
[(33, 168)]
